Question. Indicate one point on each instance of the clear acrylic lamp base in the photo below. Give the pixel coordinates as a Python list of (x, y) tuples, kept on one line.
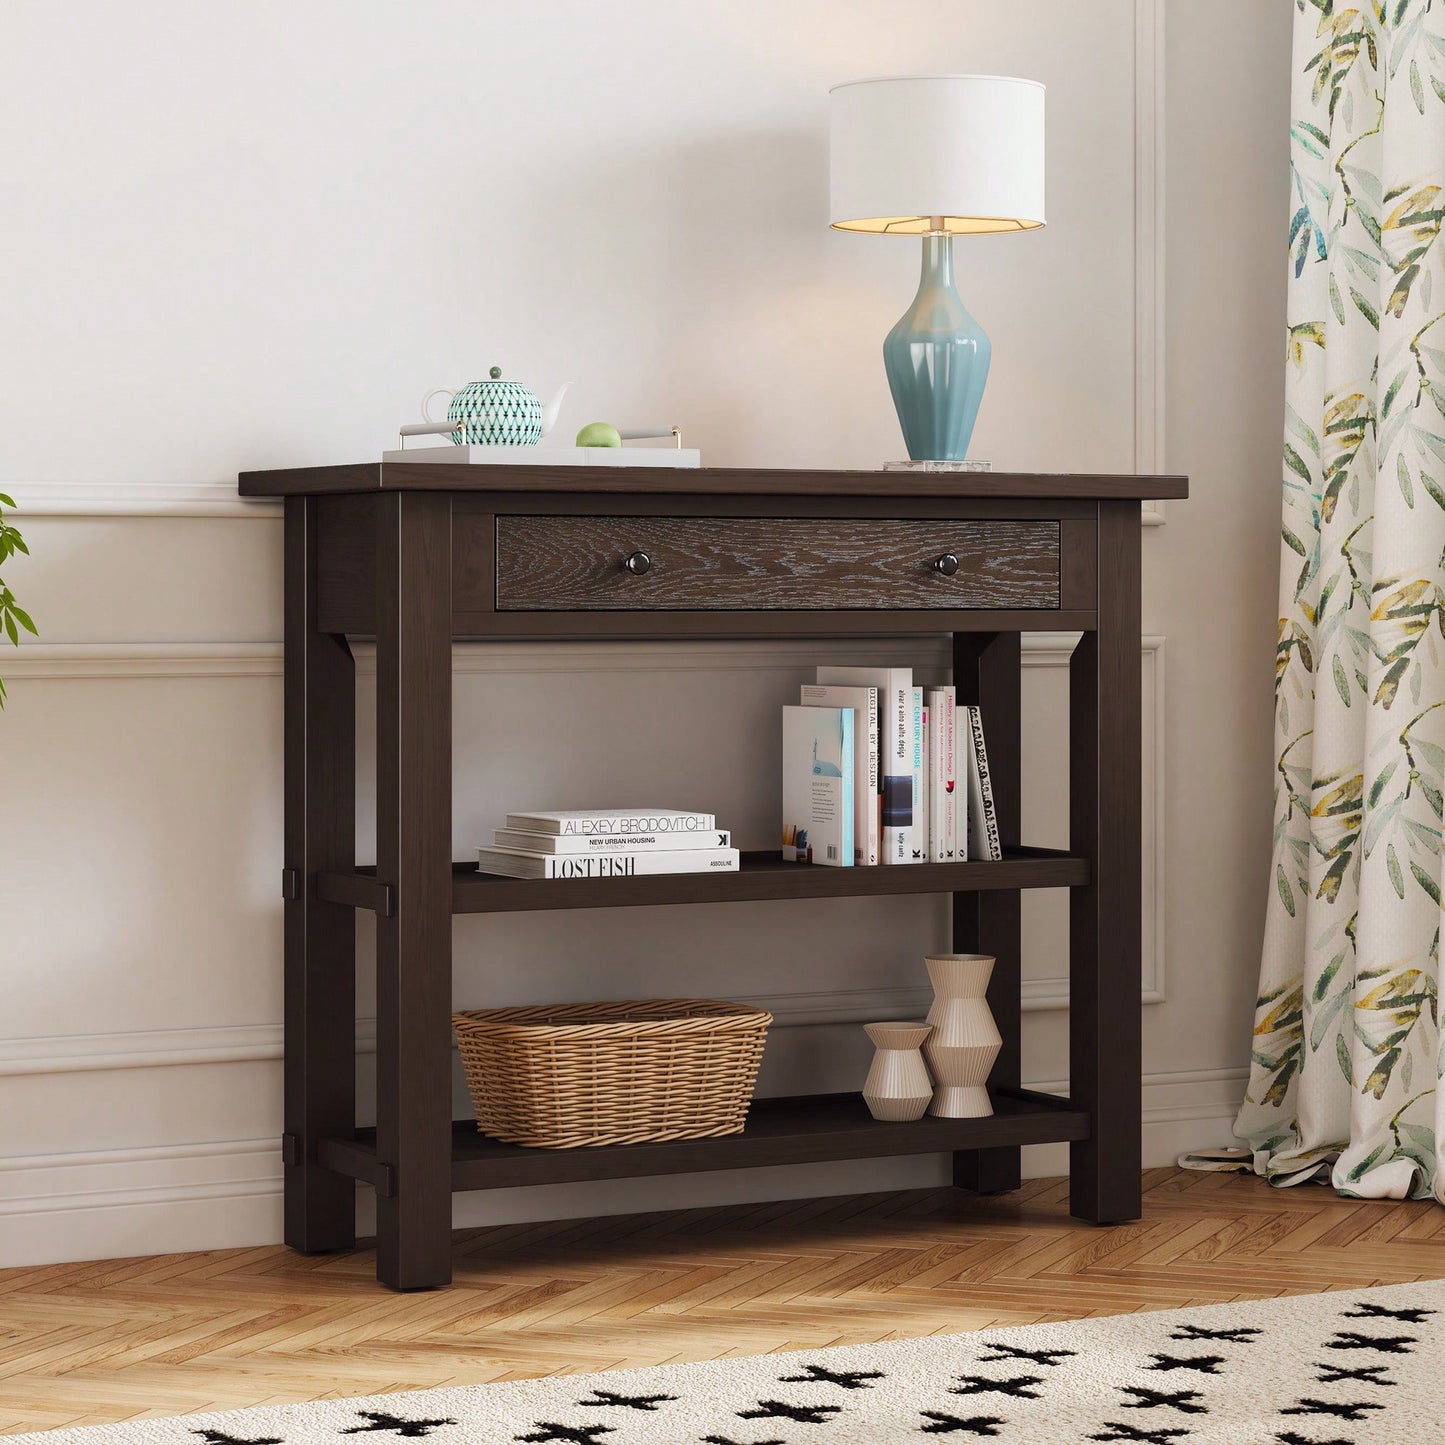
[(938, 466)]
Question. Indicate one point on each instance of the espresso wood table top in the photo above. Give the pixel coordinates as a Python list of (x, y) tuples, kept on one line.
[(704, 481)]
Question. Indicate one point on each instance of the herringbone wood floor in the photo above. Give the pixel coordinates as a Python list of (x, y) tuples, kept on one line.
[(85, 1343)]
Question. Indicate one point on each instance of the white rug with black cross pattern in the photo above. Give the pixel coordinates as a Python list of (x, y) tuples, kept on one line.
[(1359, 1367)]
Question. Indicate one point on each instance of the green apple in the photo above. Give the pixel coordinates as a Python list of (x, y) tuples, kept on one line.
[(599, 434)]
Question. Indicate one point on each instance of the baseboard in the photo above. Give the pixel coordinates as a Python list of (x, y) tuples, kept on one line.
[(108, 1204), (113, 1203)]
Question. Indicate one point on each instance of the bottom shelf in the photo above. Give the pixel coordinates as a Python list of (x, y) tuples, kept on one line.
[(803, 1130)]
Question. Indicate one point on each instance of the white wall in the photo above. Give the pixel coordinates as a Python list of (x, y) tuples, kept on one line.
[(252, 235)]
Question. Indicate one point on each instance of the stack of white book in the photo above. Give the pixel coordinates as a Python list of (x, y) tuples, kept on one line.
[(609, 843)]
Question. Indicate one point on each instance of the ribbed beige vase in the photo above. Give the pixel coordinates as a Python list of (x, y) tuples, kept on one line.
[(965, 1040), (898, 1087)]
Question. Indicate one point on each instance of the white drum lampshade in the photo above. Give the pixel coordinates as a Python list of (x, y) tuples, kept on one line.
[(966, 149), (937, 156)]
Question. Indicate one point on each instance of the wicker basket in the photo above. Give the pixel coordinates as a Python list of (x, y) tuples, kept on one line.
[(563, 1076)]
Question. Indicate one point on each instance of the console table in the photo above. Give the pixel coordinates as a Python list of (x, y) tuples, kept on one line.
[(419, 555)]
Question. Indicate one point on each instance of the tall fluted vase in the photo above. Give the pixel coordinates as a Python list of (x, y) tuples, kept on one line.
[(965, 1040)]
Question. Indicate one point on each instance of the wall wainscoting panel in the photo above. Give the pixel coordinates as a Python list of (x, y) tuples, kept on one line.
[(174, 662), (142, 499), (165, 719), (111, 1203), (1149, 181)]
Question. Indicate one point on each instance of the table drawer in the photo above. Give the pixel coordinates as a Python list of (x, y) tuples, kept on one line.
[(601, 563)]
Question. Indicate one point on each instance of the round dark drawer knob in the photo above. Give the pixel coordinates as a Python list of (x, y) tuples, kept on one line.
[(945, 565), (638, 563)]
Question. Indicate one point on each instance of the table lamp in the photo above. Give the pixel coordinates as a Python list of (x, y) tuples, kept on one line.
[(937, 156)]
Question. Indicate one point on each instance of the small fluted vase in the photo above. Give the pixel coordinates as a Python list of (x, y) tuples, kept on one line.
[(937, 359), (898, 1087), (965, 1040)]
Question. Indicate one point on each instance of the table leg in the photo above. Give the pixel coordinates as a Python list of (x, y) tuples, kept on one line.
[(1105, 927), (986, 671), (414, 942), (320, 938)]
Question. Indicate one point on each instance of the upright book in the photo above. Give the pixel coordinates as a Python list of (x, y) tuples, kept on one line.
[(895, 747), (864, 702), (918, 723), (818, 762), (942, 777), (983, 841)]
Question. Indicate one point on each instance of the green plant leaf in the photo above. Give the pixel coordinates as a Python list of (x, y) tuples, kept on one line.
[(1286, 893), (1436, 798), (1416, 89), (1379, 1152), (1436, 495), (1342, 685), (1425, 881), (1296, 463), (1393, 390), (1377, 788), (1327, 977), (1402, 471), (1336, 305), (1422, 1137), (1392, 867), (1365, 309), (1325, 1019)]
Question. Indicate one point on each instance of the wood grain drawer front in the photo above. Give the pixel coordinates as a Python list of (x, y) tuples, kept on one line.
[(579, 564)]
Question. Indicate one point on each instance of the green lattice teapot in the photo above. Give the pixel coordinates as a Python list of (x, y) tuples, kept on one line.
[(496, 413)]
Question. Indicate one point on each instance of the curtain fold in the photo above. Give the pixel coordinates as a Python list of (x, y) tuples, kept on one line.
[(1347, 1058)]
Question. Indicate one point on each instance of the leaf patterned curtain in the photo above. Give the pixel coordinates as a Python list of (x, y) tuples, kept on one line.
[(1347, 1060)]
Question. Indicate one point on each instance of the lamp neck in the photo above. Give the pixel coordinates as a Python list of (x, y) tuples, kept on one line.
[(937, 260)]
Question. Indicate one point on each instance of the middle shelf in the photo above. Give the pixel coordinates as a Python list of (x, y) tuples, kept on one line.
[(762, 876)]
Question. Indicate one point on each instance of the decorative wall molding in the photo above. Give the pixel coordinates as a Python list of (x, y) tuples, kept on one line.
[(262, 1043), (142, 1049), (1149, 340), (117, 1178), (83, 661), (165, 1048), (227, 1194), (139, 499), (97, 661)]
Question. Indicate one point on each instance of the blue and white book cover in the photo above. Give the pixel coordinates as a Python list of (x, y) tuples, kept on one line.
[(867, 809), (895, 748), (818, 781)]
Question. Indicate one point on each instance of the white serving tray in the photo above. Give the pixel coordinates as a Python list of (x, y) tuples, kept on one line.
[(545, 456)]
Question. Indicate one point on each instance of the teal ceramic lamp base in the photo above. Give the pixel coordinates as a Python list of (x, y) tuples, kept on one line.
[(937, 360)]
